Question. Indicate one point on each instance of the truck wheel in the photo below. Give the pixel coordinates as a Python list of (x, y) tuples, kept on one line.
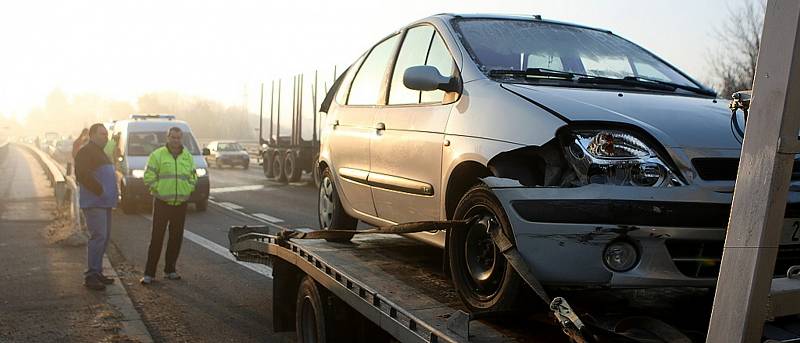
[(266, 162), (315, 172), (126, 203), (310, 313), (201, 206), (331, 212), (291, 169), (485, 281), (277, 167)]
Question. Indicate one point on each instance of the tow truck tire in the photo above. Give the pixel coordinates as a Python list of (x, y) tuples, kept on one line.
[(484, 279), (330, 211), (292, 170), (266, 162), (277, 167), (310, 313)]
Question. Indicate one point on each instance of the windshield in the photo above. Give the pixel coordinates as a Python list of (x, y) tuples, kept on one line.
[(229, 147), (143, 143), (507, 44)]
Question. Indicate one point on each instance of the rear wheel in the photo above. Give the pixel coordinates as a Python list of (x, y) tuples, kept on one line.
[(291, 169), (331, 212), (266, 162), (484, 279), (310, 313), (277, 167)]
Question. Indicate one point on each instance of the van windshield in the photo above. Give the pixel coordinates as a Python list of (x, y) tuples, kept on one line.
[(509, 44), (230, 147), (143, 143)]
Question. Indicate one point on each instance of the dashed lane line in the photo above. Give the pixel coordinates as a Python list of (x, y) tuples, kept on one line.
[(236, 189), (231, 206), (268, 218), (250, 216)]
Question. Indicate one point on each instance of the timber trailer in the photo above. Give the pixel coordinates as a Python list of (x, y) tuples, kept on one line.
[(285, 157), (383, 287)]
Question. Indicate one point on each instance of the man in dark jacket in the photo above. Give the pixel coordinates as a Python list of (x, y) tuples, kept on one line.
[(98, 195)]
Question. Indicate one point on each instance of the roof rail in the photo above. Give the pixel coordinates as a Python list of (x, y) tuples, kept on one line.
[(152, 116)]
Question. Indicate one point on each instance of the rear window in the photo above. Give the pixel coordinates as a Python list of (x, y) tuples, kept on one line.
[(144, 143)]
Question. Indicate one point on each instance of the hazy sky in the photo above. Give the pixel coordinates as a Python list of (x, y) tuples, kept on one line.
[(218, 49)]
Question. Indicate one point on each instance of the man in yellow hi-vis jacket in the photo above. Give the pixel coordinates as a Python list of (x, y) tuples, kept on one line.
[(171, 177)]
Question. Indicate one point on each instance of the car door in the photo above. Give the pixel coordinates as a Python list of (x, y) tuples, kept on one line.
[(353, 126), (406, 154)]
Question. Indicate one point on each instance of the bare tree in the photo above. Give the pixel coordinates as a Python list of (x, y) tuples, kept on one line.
[(733, 63)]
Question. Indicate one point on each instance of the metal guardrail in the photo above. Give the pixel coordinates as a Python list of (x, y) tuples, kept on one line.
[(65, 187)]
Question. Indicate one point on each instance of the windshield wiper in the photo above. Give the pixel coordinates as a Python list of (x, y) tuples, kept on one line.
[(697, 90), (533, 73), (633, 82)]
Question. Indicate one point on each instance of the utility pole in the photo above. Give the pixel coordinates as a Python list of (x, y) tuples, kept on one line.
[(762, 184)]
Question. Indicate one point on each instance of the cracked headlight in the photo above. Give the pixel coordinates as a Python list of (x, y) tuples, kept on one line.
[(618, 158)]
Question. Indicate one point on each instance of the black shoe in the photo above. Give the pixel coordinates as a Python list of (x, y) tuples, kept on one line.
[(105, 280), (94, 283)]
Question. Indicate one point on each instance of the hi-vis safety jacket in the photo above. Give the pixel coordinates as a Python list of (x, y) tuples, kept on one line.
[(170, 179)]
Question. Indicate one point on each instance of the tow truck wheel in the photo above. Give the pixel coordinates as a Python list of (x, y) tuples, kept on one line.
[(266, 162), (331, 212), (277, 167), (485, 281), (292, 170), (310, 313)]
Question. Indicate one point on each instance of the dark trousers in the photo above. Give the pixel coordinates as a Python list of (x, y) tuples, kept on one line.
[(164, 215)]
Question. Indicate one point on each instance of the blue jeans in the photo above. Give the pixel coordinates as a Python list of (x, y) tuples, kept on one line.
[(98, 221)]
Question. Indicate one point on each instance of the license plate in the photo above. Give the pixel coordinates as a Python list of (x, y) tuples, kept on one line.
[(791, 231)]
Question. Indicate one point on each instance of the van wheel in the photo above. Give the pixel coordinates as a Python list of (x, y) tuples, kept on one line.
[(331, 213), (266, 162), (291, 169), (484, 279), (277, 167), (201, 206), (127, 205), (310, 313)]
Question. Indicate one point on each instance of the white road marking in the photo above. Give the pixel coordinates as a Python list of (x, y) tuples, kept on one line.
[(268, 218), (230, 205), (236, 189), (222, 251), (250, 216)]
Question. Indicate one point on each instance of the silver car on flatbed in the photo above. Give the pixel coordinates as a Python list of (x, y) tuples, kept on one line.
[(608, 166)]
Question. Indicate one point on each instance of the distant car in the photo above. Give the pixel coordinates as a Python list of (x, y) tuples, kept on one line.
[(229, 153), (61, 150), (140, 136)]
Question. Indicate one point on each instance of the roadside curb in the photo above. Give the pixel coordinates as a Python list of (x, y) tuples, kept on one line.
[(132, 325)]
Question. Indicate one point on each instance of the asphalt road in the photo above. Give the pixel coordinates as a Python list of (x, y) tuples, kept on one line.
[(218, 299)]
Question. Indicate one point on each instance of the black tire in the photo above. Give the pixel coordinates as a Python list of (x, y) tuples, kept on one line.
[(201, 206), (310, 313), (246, 166), (315, 171), (266, 162), (218, 164), (127, 205), (277, 167), (330, 212), (291, 169), (484, 279)]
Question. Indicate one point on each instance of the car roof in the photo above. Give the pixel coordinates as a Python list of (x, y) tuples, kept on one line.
[(152, 125), (531, 17)]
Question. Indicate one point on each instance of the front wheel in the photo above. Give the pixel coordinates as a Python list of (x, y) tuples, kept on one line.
[(201, 205), (331, 212), (484, 279), (126, 203)]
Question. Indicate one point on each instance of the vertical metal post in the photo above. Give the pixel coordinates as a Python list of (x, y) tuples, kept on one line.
[(762, 184), (271, 109), (278, 126), (314, 103), (261, 116)]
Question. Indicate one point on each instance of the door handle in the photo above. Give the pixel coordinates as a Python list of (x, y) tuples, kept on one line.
[(380, 126), (335, 123)]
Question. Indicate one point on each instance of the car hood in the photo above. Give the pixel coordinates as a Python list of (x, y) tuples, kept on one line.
[(676, 121), (140, 162)]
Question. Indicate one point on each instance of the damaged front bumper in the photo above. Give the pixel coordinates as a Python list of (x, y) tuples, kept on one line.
[(678, 232)]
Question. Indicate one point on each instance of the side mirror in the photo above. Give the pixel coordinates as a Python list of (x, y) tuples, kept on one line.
[(428, 78), (206, 152)]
